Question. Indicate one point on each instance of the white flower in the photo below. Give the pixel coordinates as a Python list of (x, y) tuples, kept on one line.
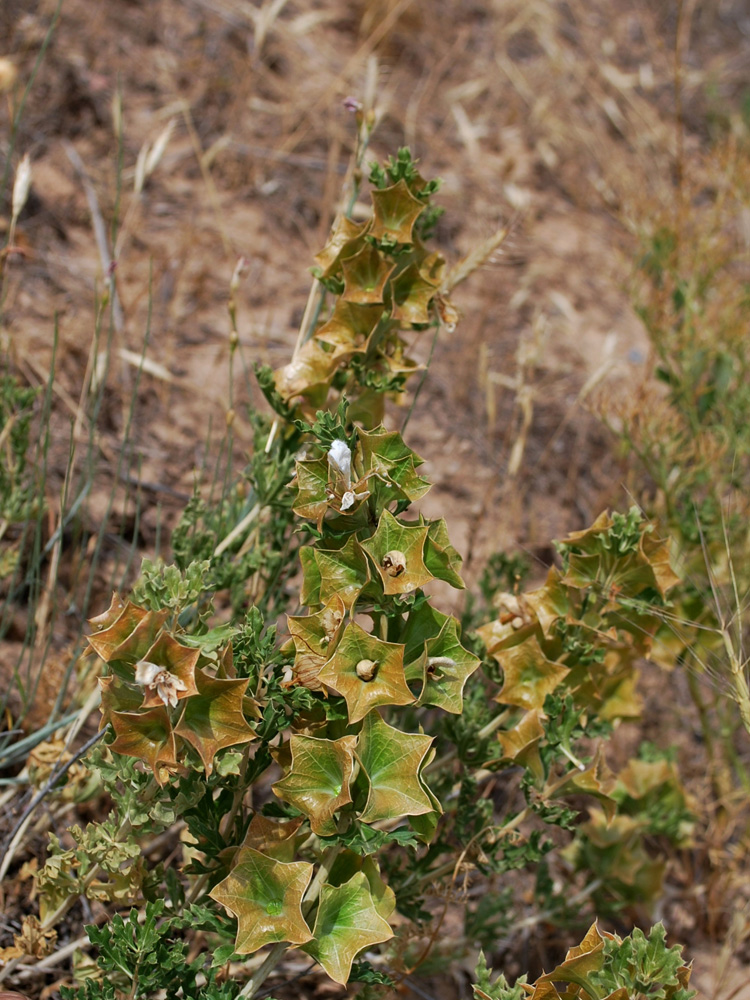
[(150, 675), (340, 461), (348, 500)]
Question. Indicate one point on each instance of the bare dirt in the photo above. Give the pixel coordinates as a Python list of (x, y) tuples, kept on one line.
[(555, 118)]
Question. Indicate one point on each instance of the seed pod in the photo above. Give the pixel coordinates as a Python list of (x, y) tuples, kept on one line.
[(366, 670), (394, 562)]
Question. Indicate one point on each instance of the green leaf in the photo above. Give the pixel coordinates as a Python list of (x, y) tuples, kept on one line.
[(388, 460), (440, 557), (214, 718), (311, 484), (345, 239), (330, 572), (446, 665), (314, 637), (411, 296), (348, 863), (266, 897), (367, 672), (395, 210), (365, 275), (129, 636), (347, 922), (397, 552), (392, 761), (147, 736), (318, 781), (520, 745), (528, 675)]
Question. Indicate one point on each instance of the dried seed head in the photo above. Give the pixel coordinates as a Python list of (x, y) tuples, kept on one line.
[(366, 670), (7, 74), (394, 562)]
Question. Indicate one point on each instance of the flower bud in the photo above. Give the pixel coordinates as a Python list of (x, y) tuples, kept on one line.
[(366, 670), (394, 562)]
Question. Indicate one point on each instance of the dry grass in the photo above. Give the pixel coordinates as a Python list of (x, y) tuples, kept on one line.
[(214, 130)]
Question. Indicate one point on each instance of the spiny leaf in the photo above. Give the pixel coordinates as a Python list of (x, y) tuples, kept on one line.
[(367, 672), (318, 781), (266, 897), (147, 736), (528, 675), (311, 485), (395, 210), (214, 718), (596, 780), (397, 552), (274, 839), (365, 276), (347, 921), (392, 760)]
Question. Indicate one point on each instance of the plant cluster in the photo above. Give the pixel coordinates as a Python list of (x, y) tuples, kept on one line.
[(329, 787)]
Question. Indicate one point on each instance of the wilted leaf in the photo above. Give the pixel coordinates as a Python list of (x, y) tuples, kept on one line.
[(367, 672), (318, 781), (596, 780), (349, 329), (311, 485), (347, 921), (214, 718), (311, 368), (392, 760), (266, 897)]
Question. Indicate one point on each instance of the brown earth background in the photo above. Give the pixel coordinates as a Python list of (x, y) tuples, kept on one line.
[(556, 118)]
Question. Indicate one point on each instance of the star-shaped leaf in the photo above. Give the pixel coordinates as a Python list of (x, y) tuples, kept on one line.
[(520, 744), (446, 665), (213, 718), (147, 736), (549, 603), (395, 210), (440, 557), (314, 637), (318, 781), (110, 616), (596, 780), (391, 467), (327, 572), (392, 760), (311, 368), (129, 636), (411, 297), (347, 921), (178, 660), (117, 696), (367, 672), (274, 839), (348, 863), (266, 897), (349, 329), (311, 485), (365, 275), (346, 238), (528, 675), (397, 552)]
